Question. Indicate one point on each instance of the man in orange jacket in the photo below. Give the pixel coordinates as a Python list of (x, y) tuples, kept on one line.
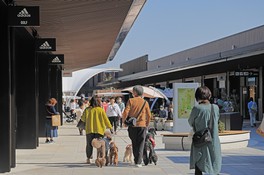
[(137, 133)]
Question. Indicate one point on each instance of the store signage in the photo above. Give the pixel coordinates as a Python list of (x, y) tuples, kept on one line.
[(21, 16), (222, 84), (243, 73), (46, 44), (56, 59), (67, 74)]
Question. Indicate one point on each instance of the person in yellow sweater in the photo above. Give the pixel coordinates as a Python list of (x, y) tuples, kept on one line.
[(96, 122)]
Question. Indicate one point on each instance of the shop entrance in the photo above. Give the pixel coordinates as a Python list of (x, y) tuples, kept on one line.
[(243, 85)]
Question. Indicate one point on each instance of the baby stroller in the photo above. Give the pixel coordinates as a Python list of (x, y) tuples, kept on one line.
[(69, 118), (149, 154)]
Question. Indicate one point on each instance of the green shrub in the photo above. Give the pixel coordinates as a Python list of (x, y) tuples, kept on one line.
[(221, 126)]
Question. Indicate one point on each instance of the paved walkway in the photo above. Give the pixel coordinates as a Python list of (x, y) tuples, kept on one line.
[(67, 157)]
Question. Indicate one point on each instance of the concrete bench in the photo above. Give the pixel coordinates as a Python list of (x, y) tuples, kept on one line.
[(176, 141), (228, 139)]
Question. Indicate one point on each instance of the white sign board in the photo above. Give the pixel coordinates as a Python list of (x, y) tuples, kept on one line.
[(183, 102), (221, 84)]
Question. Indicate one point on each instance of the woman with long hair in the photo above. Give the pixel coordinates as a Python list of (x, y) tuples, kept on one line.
[(96, 122), (207, 158)]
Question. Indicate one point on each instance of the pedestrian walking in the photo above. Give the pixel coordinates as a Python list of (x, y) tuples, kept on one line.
[(113, 112), (96, 123), (79, 113), (73, 106), (121, 105), (207, 158), (105, 103), (137, 133), (252, 110)]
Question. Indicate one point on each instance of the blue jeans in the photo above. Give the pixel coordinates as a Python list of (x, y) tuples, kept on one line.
[(51, 131), (252, 118)]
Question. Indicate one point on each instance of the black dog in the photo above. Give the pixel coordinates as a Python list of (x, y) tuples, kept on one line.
[(152, 132), (149, 146)]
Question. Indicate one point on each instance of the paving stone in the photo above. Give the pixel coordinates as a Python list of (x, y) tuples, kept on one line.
[(67, 157)]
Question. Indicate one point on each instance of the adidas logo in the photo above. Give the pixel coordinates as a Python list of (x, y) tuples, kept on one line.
[(56, 60), (45, 45), (23, 13)]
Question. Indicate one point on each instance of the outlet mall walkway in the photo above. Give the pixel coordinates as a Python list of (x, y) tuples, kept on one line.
[(67, 157)]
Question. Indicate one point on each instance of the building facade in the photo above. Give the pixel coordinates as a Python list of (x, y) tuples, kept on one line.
[(232, 67)]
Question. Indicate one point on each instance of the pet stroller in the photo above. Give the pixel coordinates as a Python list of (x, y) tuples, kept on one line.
[(149, 154)]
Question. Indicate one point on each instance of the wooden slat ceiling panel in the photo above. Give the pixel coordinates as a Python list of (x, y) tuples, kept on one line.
[(85, 30)]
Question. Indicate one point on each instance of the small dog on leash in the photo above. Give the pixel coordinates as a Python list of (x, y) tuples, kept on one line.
[(149, 147), (113, 154), (99, 144), (128, 154)]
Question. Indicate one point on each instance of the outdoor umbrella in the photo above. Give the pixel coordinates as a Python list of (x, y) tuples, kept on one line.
[(149, 92)]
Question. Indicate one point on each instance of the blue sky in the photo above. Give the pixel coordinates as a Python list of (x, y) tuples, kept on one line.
[(165, 27)]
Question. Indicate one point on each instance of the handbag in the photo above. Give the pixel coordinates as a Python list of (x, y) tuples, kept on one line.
[(131, 121), (56, 120), (81, 124), (204, 136)]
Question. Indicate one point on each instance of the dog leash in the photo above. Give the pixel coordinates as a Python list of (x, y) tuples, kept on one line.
[(122, 138)]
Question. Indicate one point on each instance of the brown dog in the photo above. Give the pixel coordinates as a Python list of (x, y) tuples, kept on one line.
[(99, 144), (113, 154), (128, 154)]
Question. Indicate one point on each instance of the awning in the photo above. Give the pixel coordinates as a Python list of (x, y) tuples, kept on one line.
[(72, 85), (87, 32)]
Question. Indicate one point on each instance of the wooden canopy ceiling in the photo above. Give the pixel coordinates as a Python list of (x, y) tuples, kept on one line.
[(87, 32)]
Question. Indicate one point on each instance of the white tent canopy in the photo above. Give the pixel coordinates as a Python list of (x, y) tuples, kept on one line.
[(72, 85)]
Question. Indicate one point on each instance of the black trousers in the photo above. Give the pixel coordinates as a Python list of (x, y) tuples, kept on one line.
[(113, 120), (137, 136), (198, 171), (121, 122), (89, 147)]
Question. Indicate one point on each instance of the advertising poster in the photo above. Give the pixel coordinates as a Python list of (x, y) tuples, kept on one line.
[(186, 101), (183, 102)]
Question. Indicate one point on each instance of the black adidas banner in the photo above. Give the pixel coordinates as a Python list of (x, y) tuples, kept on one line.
[(56, 59), (45, 44), (20, 16)]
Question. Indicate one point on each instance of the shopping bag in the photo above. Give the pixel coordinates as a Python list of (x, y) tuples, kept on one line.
[(56, 120), (260, 129)]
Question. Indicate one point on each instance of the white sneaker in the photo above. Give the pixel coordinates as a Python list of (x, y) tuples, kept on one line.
[(138, 165)]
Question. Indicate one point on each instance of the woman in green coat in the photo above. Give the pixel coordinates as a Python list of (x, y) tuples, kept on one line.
[(207, 158)]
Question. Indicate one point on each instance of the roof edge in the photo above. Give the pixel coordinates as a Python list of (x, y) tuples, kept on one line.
[(131, 17)]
